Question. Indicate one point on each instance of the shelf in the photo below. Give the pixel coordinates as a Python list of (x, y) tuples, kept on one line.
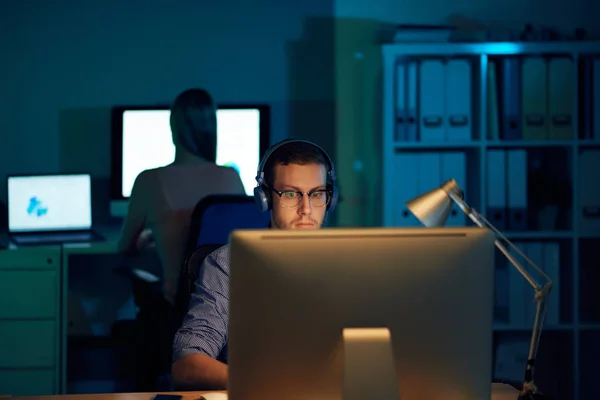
[(558, 172), (528, 143), (539, 235), (436, 145), (589, 327), (589, 236), (489, 48), (589, 143), (495, 144), (523, 328)]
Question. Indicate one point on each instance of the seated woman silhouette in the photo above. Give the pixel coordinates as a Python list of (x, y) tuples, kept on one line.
[(163, 199)]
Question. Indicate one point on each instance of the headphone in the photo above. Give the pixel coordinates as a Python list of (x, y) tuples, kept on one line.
[(263, 200)]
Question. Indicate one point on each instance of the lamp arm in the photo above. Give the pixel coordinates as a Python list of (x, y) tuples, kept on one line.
[(541, 291)]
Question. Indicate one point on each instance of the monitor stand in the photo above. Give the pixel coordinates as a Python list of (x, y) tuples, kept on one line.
[(369, 369)]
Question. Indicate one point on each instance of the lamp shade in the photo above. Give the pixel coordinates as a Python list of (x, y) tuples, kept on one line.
[(433, 208)]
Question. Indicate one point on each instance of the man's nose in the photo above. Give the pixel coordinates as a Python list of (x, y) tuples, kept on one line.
[(305, 207)]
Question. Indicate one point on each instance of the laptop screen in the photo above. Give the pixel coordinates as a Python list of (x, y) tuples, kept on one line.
[(49, 203)]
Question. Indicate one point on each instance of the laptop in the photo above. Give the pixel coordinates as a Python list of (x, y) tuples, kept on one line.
[(50, 209)]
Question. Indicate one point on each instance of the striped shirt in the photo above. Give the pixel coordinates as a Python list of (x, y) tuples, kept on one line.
[(204, 328)]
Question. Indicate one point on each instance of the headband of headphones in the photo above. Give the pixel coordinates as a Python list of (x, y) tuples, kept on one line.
[(260, 174)]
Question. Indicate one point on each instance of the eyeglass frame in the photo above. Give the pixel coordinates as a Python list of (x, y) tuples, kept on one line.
[(328, 193)]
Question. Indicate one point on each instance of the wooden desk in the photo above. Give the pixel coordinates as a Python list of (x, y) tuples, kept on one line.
[(41, 367), (111, 396), (500, 391)]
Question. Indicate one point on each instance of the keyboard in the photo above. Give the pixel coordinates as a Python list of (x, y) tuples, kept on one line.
[(55, 238)]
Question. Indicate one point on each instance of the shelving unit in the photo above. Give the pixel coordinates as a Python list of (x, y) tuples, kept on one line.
[(570, 344)]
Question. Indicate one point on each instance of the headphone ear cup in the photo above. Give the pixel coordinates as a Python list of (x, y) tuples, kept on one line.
[(334, 199), (262, 200)]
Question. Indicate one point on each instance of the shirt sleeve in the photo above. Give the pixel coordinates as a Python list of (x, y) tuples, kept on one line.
[(204, 328)]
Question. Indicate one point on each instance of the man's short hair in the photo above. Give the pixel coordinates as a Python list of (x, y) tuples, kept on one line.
[(194, 123), (293, 153)]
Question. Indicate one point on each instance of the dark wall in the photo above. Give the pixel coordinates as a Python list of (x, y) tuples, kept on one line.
[(69, 62)]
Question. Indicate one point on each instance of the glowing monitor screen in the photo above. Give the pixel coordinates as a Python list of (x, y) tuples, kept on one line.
[(49, 203), (147, 143)]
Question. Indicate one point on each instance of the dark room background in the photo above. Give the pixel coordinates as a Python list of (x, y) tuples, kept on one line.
[(315, 62)]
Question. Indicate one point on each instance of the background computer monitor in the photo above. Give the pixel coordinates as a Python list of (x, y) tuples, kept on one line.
[(293, 293), (46, 203), (142, 139)]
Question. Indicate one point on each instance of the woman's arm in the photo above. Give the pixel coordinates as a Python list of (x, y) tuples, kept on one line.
[(137, 213)]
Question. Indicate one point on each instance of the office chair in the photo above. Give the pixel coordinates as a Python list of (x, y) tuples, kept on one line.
[(212, 220), (215, 216), (187, 279)]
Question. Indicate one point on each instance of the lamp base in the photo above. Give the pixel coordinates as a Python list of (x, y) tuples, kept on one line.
[(533, 396), (530, 392)]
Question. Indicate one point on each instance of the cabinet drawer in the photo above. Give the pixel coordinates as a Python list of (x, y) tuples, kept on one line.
[(30, 257), (29, 382), (28, 344), (28, 294)]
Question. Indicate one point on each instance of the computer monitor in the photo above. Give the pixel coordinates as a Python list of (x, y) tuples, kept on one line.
[(49, 203), (142, 139), (312, 314)]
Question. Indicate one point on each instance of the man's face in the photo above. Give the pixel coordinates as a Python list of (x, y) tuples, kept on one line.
[(302, 178)]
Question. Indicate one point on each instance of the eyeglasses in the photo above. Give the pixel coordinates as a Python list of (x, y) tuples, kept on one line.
[(292, 198)]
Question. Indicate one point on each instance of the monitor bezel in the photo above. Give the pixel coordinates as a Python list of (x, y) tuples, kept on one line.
[(116, 169)]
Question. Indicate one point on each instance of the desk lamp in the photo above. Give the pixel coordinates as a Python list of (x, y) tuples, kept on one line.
[(433, 208)]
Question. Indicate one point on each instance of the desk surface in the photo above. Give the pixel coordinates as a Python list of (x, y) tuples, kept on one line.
[(500, 391), (108, 245), (110, 396)]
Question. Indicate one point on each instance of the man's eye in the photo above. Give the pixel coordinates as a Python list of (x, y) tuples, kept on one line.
[(317, 194), (290, 194)]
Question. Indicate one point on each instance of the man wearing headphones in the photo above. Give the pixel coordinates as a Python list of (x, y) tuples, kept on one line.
[(296, 183)]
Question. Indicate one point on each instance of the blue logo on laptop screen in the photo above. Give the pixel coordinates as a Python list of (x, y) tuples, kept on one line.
[(36, 208)]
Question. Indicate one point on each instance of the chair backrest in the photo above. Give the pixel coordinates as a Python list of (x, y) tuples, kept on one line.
[(215, 216), (212, 221), (187, 278)]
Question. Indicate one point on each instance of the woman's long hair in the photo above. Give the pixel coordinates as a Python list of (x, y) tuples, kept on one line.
[(194, 123)]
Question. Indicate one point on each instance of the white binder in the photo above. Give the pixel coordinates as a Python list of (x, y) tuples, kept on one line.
[(493, 104), (534, 98), (458, 100), (551, 267), (406, 176), (412, 126), (496, 188), (432, 125), (429, 171), (516, 165), (401, 110), (588, 209), (596, 102), (561, 97), (511, 99)]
